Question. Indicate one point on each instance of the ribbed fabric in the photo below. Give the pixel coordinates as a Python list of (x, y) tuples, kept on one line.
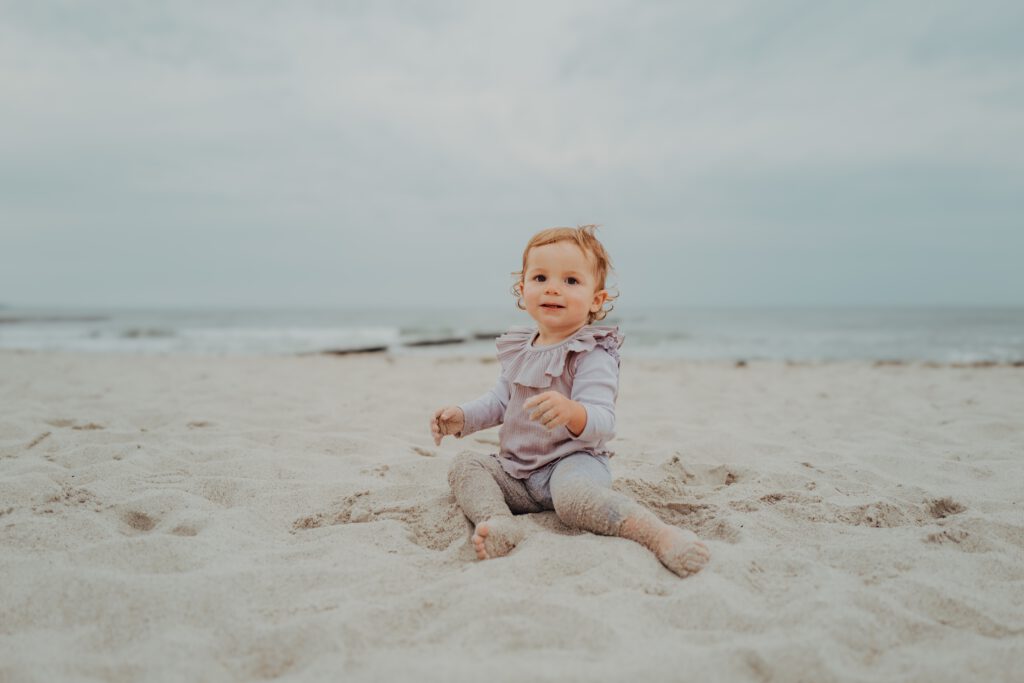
[(584, 367)]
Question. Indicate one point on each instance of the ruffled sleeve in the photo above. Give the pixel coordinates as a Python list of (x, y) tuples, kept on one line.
[(537, 367), (609, 339)]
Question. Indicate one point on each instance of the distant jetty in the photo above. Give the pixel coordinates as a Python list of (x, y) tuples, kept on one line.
[(14, 320), (345, 352), (444, 341)]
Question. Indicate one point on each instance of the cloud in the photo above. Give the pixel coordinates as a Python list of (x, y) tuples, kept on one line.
[(266, 130)]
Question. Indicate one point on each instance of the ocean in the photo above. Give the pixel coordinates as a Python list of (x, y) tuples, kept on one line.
[(944, 335)]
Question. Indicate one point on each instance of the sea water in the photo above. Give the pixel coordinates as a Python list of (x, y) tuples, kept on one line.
[(947, 335)]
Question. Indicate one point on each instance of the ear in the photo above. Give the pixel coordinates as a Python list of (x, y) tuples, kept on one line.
[(599, 298)]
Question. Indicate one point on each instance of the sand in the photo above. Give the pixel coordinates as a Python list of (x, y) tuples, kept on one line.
[(234, 519)]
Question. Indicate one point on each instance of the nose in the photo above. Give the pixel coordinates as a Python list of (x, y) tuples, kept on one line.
[(551, 286)]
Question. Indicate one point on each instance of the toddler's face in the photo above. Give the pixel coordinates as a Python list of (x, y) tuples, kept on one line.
[(560, 288)]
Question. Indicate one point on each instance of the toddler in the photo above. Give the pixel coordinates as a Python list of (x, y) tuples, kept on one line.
[(555, 399)]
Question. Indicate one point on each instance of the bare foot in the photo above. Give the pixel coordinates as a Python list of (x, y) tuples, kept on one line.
[(496, 537), (678, 549)]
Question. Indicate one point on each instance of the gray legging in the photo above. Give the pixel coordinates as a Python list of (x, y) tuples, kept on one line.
[(577, 488)]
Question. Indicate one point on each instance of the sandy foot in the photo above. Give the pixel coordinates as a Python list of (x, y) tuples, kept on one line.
[(678, 549), (496, 537)]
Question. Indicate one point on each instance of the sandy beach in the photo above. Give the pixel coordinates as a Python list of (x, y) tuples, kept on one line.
[(243, 518)]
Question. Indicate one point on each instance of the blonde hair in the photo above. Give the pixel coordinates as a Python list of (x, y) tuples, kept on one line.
[(582, 236)]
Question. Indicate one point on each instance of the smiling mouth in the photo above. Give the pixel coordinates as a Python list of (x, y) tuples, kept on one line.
[(551, 306)]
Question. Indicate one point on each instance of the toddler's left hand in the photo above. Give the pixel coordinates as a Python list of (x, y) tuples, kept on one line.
[(552, 409)]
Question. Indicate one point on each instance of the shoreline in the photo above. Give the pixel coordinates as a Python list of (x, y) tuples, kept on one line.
[(943, 335), (390, 354)]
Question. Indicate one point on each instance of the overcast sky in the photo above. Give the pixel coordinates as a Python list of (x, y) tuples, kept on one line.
[(379, 153)]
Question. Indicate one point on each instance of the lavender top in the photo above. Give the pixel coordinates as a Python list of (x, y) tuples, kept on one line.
[(584, 367)]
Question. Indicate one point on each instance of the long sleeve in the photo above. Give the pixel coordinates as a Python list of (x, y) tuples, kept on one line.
[(486, 411), (596, 386)]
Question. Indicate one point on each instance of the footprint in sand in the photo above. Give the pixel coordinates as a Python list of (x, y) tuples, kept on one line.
[(72, 495), (879, 515), (672, 501), (944, 507), (433, 522), (378, 471), (68, 496), (189, 526), (63, 423), (169, 510), (138, 520), (36, 441), (186, 522), (961, 539), (700, 474)]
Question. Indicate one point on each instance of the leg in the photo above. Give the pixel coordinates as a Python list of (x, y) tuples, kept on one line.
[(489, 496), (581, 490)]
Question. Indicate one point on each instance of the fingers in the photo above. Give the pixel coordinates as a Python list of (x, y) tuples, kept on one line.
[(440, 426), (538, 399), (436, 427), (548, 417), (542, 406), (442, 416), (554, 422)]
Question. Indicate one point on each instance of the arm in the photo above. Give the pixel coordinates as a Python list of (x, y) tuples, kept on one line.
[(594, 389), (486, 411), (589, 414)]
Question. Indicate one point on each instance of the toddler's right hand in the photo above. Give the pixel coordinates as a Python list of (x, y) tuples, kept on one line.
[(447, 420)]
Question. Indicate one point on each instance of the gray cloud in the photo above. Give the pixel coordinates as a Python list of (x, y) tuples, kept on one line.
[(392, 153)]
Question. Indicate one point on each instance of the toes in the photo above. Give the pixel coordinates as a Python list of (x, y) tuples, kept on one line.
[(496, 539), (685, 554), (695, 561), (478, 541)]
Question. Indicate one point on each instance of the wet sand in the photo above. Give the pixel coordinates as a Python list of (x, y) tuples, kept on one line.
[(230, 519)]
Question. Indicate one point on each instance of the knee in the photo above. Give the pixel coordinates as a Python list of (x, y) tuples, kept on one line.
[(583, 497), (569, 500), (464, 463), (582, 504)]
